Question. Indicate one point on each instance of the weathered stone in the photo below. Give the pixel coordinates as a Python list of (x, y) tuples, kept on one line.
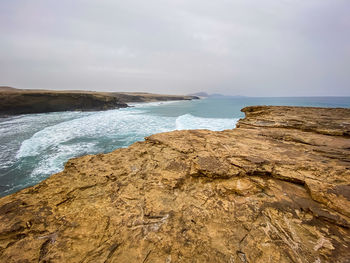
[(276, 189)]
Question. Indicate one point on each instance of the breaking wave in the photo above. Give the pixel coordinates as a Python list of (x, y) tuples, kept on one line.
[(38, 145)]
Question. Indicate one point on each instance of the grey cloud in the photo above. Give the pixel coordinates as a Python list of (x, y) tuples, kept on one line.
[(254, 48)]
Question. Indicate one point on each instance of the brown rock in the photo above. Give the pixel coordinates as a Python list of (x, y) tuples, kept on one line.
[(276, 189)]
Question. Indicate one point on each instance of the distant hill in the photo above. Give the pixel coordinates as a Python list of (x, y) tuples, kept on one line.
[(23, 101), (215, 95), (200, 94), (7, 88)]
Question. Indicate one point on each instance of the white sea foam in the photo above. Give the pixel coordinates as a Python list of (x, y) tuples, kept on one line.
[(153, 104), (53, 162), (97, 132), (111, 124), (32, 121), (90, 133)]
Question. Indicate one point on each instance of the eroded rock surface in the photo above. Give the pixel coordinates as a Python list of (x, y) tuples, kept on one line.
[(275, 189)]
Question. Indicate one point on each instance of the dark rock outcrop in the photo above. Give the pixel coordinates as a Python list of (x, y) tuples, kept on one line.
[(149, 97), (41, 102), (16, 101), (275, 189)]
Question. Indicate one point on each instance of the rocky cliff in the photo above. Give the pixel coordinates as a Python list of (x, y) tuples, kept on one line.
[(40, 102), (17, 101), (149, 97), (275, 189)]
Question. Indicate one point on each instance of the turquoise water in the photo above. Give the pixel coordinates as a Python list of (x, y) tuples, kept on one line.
[(34, 146)]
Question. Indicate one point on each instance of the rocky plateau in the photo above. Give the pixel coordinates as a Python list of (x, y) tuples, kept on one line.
[(274, 189)]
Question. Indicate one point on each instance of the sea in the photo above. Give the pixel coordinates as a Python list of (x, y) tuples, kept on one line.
[(34, 146)]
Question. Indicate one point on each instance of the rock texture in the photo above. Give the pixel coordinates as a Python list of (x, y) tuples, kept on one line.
[(275, 189), (16, 101)]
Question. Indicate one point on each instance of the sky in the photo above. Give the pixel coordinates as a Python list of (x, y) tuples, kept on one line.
[(233, 47)]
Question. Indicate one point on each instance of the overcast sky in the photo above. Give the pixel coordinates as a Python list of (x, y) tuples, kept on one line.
[(246, 47)]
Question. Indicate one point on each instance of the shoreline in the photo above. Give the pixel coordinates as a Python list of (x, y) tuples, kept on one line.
[(130, 105), (281, 176), (18, 102)]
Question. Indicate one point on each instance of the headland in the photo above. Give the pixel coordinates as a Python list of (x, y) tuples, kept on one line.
[(24, 101), (275, 189)]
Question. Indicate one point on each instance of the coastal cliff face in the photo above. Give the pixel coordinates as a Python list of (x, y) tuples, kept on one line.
[(275, 189), (41, 102), (149, 97), (16, 101)]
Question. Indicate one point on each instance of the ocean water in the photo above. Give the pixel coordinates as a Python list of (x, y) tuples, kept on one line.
[(34, 146)]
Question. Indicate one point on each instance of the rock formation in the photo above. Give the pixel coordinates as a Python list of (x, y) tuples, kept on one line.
[(18, 101), (275, 189), (13, 103)]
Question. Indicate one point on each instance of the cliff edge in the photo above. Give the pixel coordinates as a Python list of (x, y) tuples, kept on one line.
[(23, 101), (275, 189)]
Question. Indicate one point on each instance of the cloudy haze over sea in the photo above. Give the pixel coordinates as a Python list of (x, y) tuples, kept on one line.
[(246, 47)]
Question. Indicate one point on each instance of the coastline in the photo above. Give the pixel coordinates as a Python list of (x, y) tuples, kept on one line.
[(17, 101), (152, 103), (38, 145), (275, 187)]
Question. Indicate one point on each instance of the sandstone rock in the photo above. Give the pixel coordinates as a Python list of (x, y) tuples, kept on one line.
[(276, 189)]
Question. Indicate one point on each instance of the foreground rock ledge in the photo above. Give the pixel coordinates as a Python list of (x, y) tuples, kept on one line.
[(276, 189)]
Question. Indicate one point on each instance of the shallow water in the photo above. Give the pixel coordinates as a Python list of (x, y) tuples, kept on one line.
[(34, 146)]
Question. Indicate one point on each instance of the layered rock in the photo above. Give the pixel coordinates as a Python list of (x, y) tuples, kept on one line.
[(275, 189)]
